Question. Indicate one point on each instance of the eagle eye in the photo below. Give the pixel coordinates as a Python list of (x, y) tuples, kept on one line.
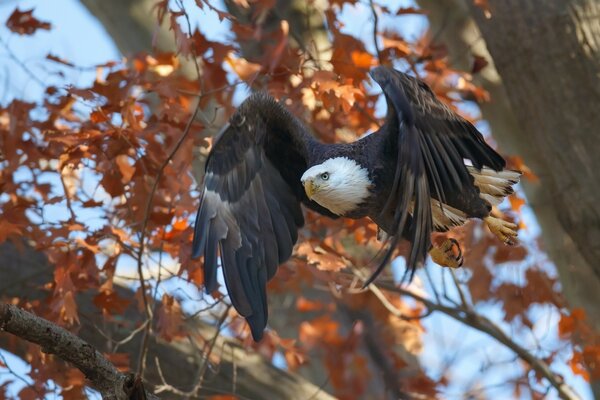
[(324, 176)]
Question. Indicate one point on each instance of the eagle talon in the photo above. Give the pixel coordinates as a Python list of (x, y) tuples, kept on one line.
[(504, 230), (445, 256)]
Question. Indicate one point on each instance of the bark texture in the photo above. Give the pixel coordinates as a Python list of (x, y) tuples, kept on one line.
[(543, 81), (55, 340), (452, 24), (548, 54)]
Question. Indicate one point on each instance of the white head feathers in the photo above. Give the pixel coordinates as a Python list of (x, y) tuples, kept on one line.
[(338, 184)]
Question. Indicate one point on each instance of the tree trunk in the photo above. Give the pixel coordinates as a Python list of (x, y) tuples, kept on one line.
[(546, 55), (550, 50), (451, 21)]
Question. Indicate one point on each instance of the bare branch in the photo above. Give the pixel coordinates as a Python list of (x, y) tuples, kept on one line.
[(485, 325)]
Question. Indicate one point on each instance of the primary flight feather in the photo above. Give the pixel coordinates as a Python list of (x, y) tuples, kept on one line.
[(409, 177)]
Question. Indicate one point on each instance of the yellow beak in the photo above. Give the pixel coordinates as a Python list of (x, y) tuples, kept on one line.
[(309, 188)]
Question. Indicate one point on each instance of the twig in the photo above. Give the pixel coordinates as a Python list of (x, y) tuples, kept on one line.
[(485, 325), (143, 350), (22, 64), (19, 377), (211, 346), (195, 390), (375, 29)]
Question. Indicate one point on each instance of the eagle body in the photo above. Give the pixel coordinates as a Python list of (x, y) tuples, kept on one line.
[(425, 169)]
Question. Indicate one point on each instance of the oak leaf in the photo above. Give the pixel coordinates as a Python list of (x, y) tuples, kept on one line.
[(24, 23)]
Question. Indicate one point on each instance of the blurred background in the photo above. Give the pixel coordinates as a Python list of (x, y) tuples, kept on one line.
[(107, 110)]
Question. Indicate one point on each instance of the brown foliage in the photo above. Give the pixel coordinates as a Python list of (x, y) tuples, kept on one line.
[(121, 150)]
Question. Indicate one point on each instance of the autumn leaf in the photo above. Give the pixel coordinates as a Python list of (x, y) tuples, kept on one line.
[(305, 305), (24, 23), (568, 323), (169, 318), (516, 202), (409, 10), (399, 45), (126, 167), (8, 230), (243, 68), (319, 329), (320, 257), (591, 356), (68, 308), (111, 302), (98, 116), (578, 366), (362, 59)]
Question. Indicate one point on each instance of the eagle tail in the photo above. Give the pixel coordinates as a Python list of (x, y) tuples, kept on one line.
[(493, 185)]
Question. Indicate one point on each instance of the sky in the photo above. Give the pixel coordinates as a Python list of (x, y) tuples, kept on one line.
[(78, 37)]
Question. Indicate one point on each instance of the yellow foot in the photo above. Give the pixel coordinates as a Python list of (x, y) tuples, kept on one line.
[(445, 255), (504, 230)]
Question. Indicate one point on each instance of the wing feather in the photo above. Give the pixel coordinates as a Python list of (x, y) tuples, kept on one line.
[(250, 207), (431, 144)]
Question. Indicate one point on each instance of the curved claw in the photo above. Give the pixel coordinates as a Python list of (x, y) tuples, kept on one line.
[(504, 230), (445, 256)]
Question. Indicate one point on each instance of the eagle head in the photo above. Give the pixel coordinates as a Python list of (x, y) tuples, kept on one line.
[(339, 184)]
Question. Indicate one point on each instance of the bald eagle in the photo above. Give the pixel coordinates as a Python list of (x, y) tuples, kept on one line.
[(426, 169)]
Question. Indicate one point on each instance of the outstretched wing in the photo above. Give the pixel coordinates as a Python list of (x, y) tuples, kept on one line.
[(431, 142), (250, 207)]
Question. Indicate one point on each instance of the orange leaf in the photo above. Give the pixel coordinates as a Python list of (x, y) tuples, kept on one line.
[(320, 257), (180, 224), (362, 59), (516, 202), (397, 44), (322, 329), (169, 318), (567, 323), (111, 302), (127, 170), (578, 366), (98, 116), (305, 305), (245, 69), (68, 312), (591, 356)]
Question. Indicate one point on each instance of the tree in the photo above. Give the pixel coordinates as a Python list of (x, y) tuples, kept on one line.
[(454, 22), (121, 149)]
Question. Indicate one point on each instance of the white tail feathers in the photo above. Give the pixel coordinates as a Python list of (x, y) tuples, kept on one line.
[(444, 216), (494, 185)]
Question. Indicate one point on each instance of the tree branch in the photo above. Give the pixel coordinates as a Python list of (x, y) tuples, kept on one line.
[(53, 339), (485, 325)]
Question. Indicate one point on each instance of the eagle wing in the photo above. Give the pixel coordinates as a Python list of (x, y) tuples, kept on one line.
[(431, 142), (250, 206)]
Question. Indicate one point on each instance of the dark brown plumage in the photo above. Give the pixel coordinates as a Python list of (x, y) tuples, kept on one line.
[(250, 208)]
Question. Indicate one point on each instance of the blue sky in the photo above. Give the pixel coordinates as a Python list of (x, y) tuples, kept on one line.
[(78, 37)]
